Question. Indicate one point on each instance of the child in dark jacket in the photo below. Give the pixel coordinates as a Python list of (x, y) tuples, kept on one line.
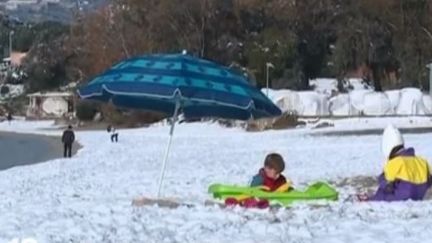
[(269, 178), (114, 134)]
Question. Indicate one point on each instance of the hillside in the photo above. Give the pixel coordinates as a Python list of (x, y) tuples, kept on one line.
[(47, 10)]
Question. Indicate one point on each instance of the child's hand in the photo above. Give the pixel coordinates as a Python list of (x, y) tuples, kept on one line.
[(362, 197)]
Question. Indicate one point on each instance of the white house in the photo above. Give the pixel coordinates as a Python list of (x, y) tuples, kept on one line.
[(51, 105)]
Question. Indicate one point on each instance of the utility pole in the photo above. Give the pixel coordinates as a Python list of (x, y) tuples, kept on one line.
[(430, 78), (11, 33), (268, 66)]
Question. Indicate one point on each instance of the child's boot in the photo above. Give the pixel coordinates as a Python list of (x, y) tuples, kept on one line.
[(230, 201)]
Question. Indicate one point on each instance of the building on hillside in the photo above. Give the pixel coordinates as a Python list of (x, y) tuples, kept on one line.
[(5, 64), (4, 68), (11, 63), (16, 58), (51, 105)]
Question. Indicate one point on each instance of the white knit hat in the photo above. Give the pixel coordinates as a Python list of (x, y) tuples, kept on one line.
[(391, 138)]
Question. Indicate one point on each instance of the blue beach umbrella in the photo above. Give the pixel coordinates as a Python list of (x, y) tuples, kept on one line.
[(177, 84)]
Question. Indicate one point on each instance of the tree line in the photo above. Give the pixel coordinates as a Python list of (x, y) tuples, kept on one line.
[(386, 42)]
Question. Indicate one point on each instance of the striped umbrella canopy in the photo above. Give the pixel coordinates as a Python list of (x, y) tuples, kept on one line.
[(179, 84), (198, 87)]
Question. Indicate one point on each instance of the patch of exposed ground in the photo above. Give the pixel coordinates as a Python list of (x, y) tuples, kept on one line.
[(365, 184)]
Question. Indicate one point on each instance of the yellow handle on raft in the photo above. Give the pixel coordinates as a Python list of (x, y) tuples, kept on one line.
[(283, 188)]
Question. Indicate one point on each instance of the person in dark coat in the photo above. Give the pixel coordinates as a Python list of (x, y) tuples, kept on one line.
[(67, 139), (9, 117)]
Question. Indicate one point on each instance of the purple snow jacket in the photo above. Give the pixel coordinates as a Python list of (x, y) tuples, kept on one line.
[(406, 176)]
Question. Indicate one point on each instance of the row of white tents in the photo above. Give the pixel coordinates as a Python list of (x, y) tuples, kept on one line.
[(407, 101)]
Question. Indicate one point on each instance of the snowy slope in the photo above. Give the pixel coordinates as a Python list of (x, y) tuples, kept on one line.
[(87, 198)]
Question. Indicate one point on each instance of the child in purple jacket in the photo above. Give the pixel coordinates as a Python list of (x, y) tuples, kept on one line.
[(406, 176)]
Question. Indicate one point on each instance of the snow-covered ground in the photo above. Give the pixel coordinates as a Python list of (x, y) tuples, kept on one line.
[(88, 198)]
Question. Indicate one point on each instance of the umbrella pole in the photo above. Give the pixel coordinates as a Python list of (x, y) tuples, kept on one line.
[(162, 172)]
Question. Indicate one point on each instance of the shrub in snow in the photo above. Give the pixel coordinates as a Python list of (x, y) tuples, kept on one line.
[(356, 98), (326, 86), (313, 104), (288, 101), (376, 104), (427, 103), (305, 103), (340, 105), (411, 102), (408, 101), (394, 98), (357, 84)]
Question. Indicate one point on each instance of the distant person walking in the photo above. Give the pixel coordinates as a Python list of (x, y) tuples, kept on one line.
[(114, 134), (9, 117), (67, 139)]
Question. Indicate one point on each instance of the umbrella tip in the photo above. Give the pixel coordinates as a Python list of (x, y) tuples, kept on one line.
[(184, 52)]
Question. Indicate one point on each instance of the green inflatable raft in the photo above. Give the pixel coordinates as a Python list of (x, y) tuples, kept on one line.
[(316, 191)]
